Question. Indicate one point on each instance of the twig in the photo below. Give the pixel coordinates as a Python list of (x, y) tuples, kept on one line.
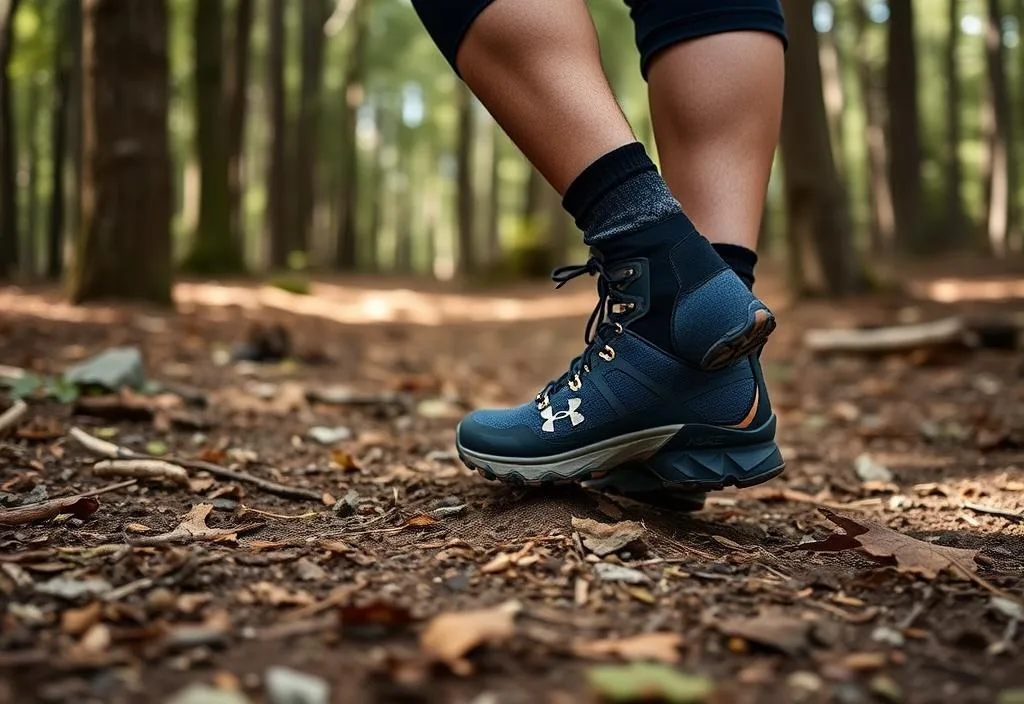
[(243, 509), (865, 616), (994, 510), (112, 451), (78, 506), (13, 415), (108, 489), (142, 469)]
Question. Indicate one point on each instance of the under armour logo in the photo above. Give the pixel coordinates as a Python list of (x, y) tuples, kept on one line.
[(549, 416)]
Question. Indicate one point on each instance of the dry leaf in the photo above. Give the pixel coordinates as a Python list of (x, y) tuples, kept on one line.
[(890, 547), (344, 461), (449, 637), (773, 630), (193, 528), (660, 647), (421, 521), (75, 622), (274, 595), (137, 528), (605, 538)]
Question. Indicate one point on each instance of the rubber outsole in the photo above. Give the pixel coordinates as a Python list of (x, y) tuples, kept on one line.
[(736, 346)]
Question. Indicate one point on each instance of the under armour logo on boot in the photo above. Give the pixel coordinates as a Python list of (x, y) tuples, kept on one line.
[(549, 415)]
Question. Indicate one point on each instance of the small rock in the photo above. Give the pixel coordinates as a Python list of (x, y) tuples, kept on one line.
[(617, 573), (888, 636), (445, 511), (449, 501), (1007, 607), (160, 600), (28, 614), (224, 504), (72, 589), (112, 369), (36, 495), (870, 471), (287, 686), (457, 582), (850, 693), (348, 505), (203, 694), (329, 436), (886, 689), (309, 571), (261, 389), (988, 384), (806, 682)]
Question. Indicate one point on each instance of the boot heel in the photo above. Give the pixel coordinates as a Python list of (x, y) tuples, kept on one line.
[(718, 468)]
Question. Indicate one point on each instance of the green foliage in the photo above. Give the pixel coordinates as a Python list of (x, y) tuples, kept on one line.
[(35, 386), (292, 283), (646, 682)]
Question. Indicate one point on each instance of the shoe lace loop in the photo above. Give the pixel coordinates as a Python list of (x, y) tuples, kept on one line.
[(599, 326)]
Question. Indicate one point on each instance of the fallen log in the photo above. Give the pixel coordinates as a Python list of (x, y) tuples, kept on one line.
[(898, 338)]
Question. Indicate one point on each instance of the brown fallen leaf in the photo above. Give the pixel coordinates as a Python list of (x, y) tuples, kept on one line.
[(75, 622), (773, 630), (890, 547), (275, 595), (605, 538), (344, 461), (77, 506), (659, 647), (421, 521), (193, 528), (450, 636)]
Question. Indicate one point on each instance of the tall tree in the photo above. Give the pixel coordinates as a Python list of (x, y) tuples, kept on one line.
[(236, 83), (30, 249), (8, 162), (904, 123), (63, 58), (956, 218), (214, 249), (346, 253), (314, 15), (882, 218), (277, 175), (815, 202), (125, 250), (465, 191), (999, 168)]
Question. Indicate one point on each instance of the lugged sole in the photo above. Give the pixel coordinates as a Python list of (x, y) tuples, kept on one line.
[(636, 465), (741, 342)]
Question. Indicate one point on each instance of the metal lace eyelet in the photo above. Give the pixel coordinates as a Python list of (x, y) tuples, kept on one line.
[(619, 329), (586, 368), (607, 354), (575, 384), (543, 403), (629, 272)]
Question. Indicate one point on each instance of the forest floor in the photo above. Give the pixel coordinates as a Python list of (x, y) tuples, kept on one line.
[(345, 584)]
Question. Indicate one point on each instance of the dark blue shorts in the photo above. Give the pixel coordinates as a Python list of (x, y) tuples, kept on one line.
[(658, 23)]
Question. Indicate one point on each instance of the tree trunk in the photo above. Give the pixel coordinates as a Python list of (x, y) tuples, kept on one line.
[(904, 121), (346, 255), (277, 175), (236, 84), (832, 91), (125, 250), (214, 249), (999, 183), (9, 230), (63, 56), (882, 217), (30, 252), (494, 198), (465, 192), (75, 132), (815, 201), (956, 218), (314, 15)]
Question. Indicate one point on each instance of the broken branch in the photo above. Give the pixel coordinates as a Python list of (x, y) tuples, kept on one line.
[(142, 469), (13, 415), (948, 331), (78, 506), (110, 450)]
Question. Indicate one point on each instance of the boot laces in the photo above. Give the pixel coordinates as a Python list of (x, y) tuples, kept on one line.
[(600, 326)]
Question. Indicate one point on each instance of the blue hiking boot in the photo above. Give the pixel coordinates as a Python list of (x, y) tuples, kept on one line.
[(666, 391)]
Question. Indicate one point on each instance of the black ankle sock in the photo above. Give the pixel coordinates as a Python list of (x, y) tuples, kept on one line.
[(619, 193), (740, 259)]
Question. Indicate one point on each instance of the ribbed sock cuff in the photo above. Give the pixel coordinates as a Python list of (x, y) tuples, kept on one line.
[(603, 175)]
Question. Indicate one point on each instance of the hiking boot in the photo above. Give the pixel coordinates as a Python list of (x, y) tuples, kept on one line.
[(667, 389)]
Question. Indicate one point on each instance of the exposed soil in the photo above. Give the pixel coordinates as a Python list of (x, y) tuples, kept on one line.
[(403, 527)]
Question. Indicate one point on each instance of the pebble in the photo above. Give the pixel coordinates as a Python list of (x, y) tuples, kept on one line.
[(110, 369), (287, 686), (203, 694), (73, 589), (868, 470), (617, 573), (888, 636), (329, 436)]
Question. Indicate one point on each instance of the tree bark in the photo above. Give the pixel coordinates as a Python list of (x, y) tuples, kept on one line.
[(30, 252), (494, 198), (214, 249), (236, 84), (314, 15), (9, 230), (999, 182), (346, 254), (904, 121), (75, 132), (277, 176), (815, 201), (465, 187), (956, 218), (63, 57), (882, 217), (125, 250)]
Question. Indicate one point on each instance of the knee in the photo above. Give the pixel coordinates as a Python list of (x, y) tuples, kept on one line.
[(660, 24)]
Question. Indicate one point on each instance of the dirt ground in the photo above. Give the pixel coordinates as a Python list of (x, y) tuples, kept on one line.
[(345, 583)]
